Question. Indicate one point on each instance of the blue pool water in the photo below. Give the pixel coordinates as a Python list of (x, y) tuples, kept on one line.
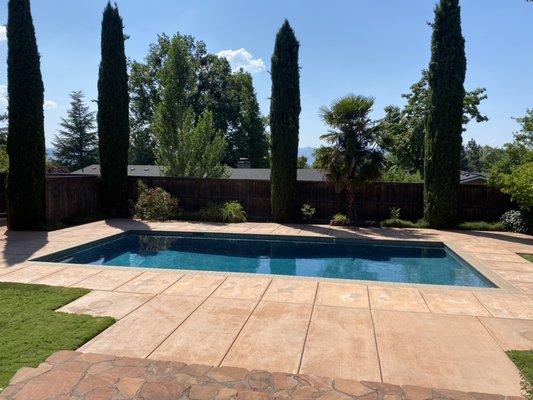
[(373, 261)]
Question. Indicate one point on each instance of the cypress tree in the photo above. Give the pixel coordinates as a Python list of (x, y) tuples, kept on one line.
[(446, 75), (113, 114), (284, 123), (25, 144)]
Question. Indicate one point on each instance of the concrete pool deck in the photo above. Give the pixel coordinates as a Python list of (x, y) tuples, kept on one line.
[(430, 336)]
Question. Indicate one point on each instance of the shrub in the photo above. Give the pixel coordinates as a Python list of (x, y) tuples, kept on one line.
[(339, 220), (395, 212), (399, 223), (514, 221), (230, 212), (154, 204), (233, 212), (481, 226), (308, 212), (211, 213)]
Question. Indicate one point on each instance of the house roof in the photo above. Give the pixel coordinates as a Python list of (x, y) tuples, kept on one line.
[(262, 174), (467, 177)]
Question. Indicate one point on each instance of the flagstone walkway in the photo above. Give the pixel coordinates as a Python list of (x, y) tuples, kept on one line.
[(69, 375), (429, 336)]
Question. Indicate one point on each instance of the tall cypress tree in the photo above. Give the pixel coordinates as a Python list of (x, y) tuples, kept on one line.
[(284, 123), (113, 117), (446, 74), (25, 144)]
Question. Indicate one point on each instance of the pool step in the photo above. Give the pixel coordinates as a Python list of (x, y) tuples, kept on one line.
[(73, 375)]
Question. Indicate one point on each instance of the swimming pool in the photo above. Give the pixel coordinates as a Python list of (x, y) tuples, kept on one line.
[(413, 262)]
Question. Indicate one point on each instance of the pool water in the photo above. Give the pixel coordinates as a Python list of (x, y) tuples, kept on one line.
[(430, 263)]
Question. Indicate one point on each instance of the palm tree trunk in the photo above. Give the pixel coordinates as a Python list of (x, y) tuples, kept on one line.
[(350, 197)]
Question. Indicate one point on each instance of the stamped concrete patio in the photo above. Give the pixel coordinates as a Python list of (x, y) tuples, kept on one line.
[(430, 336)]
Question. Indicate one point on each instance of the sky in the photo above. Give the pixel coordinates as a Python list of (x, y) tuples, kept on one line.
[(368, 47)]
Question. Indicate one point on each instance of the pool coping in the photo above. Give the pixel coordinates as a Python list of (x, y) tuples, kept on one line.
[(501, 284)]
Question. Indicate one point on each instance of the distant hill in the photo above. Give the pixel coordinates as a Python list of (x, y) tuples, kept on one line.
[(307, 152)]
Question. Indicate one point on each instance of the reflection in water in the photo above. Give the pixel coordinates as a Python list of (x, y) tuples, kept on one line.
[(416, 263)]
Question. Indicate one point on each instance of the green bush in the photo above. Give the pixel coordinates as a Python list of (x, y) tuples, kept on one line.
[(339, 220), (230, 212), (481, 226), (233, 212), (154, 204), (402, 223), (515, 221), (308, 212), (395, 212)]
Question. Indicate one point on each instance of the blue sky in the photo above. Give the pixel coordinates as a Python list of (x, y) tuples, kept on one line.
[(364, 47)]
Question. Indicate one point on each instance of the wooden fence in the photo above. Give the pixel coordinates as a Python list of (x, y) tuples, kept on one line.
[(68, 195), (374, 200)]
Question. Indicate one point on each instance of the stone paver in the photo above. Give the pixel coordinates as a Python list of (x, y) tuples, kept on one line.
[(196, 285), (506, 305), (341, 342), (150, 282), (246, 288), (138, 334), (70, 375), (108, 279), (339, 295), (110, 304), (291, 291), (414, 350), (511, 334), (206, 336), (453, 302), (68, 277), (397, 298), (272, 339), (209, 318), (31, 273)]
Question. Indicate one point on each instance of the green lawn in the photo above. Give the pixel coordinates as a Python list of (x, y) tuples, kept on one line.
[(524, 362), (528, 257), (30, 330)]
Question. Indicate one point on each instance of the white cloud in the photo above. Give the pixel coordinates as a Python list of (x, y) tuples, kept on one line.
[(3, 96), (3, 33), (242, 59), (49, 105)]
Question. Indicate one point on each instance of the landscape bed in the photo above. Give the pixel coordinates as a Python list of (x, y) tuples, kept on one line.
[(385, 261)]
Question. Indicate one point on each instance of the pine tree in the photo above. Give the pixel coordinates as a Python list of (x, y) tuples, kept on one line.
[(443, 142), (284, 123), (113, 114), (76, 145), (25, 181)]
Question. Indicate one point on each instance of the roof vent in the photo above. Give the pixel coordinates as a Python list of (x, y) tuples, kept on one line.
[(243, 163)]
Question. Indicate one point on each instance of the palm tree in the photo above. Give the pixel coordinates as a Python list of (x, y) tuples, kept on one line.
[(354, 156)]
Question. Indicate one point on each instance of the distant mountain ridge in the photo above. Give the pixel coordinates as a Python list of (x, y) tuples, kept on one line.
[(307, 152)]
